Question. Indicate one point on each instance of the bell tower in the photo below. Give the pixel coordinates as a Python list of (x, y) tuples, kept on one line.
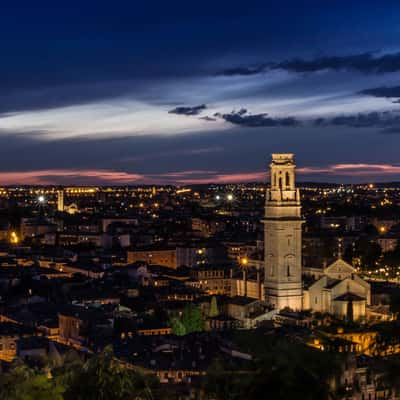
[(60, 200), (282, 236)]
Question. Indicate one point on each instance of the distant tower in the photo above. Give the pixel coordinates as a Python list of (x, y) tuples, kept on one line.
[(282, 236), (60, 200)]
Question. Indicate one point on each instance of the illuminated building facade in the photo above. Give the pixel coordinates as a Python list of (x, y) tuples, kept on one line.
[(60, 200), (282, 236)]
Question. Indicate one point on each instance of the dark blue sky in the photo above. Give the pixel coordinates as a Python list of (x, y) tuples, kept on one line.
[(179, 92)]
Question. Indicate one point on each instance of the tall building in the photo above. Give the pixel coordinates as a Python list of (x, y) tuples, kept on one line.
[(60, 200), (282, 236)]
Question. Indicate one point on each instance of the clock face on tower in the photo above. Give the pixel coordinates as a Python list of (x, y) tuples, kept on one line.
[(282, 236)]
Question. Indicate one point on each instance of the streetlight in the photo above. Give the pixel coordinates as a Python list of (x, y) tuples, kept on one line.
[(14, 238), (244, 261)]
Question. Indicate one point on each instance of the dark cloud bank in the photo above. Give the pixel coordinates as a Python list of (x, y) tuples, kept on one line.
[(386, 121), (195, 110), (383, 91), (364, 62), (244, 118)]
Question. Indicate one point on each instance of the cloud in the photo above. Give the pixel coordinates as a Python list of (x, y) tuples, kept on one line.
[(195, 110), (382, 91), (394, 130), (171, 153), (93, 177), (344, 170), (365, 62), (374, 119), (179, 174), (45, 98), (207, 118), (356, 169), (367, 120), (205, 177), (54, 176), (245, 71), (243, 118), (116, 117)]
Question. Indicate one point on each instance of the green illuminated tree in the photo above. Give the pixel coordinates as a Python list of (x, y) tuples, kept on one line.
[(192, 319), (24, 383), (177, 327), (188, 321), (103, 377)]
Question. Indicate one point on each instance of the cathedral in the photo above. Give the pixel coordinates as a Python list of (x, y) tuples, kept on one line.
[(339, 290)]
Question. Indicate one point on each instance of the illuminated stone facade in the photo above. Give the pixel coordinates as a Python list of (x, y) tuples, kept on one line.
[(340, 291), (60, 200), (282, 236)]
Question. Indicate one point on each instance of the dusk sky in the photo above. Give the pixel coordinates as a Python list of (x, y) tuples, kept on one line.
[(194, 92)]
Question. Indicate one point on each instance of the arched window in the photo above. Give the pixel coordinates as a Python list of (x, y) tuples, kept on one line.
[(287, 179), (280, 183)]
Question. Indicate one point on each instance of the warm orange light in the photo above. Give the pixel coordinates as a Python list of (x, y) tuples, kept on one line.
[(14, 238)]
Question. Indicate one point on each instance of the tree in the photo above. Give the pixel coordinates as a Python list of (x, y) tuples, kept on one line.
[(103, 377), (213, 308), (177, 327), (188, 321), (24, 383), (281, 370), (39, 387), (192, 319), (220, 382)]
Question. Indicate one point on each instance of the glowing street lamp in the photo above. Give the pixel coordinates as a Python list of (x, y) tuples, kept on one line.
[(244, 261), (14, 238), (229, 197)]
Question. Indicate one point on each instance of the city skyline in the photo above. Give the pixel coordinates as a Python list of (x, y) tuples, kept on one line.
[(166, 95)]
